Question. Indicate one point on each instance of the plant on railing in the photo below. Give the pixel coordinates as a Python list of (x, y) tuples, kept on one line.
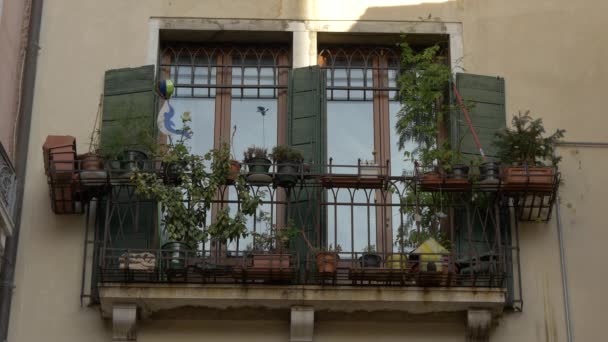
[(289, 162), (186, 203), (423, 86), (424, 214), (258, 164), (273, 239), (525, 143), (423, 90)]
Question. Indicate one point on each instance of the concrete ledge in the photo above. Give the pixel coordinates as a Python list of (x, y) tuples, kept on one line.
[(152, 298)]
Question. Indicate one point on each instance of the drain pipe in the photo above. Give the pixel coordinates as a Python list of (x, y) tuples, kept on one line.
[(23, 135), (560, 237), (562, 259)]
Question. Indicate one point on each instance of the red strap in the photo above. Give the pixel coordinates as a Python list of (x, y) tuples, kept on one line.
[(468, 118)]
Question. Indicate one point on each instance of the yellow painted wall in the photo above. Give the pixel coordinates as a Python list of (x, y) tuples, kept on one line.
[(552, 54)]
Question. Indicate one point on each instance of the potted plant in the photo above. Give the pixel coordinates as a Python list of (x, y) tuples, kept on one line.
[(235, 165), (370, 258), (258, 164), (448, 170), (489, 172), (289, 161), (528, 155), (184, 206), (92, 172), (270, 248), (327, 259)]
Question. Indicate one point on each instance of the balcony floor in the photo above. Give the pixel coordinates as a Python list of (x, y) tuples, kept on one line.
[(158, 298)]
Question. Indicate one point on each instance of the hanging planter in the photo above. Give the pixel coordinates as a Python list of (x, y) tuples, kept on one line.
[(289, 163), (175, 255), (524, 148), (258, 165)]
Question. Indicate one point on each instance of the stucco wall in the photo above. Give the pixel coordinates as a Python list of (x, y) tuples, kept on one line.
[(11, 56), (552, 54)]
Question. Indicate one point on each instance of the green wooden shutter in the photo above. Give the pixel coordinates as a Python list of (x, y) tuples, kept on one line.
[(129, 111), (486, 95), (306, 132), (128, 106), (307, 107)]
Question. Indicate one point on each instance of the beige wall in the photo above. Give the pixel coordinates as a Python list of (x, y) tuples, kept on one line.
[(552, 54), (12, 40)]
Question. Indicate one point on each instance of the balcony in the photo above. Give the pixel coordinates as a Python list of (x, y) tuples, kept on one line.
[(470, 261), (356, 209)]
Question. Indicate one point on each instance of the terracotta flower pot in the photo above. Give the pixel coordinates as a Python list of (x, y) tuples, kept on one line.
[(90, 162), (271, 261), (536, 179), (327, 262), (235, 170)]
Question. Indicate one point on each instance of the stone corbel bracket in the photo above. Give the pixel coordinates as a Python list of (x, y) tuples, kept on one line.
[(124, 321), (479, 325), (302, 323)]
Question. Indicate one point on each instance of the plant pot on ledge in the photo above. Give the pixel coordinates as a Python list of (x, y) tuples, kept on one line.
[(258, 171), (235, 170), (92, 172), (258, 165), (289, 164), (529, 179), (327, 262)]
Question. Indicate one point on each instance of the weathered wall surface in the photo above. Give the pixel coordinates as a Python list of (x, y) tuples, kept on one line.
[(11, 58), (552, 54)]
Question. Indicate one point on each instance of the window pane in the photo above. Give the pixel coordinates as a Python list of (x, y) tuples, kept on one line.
[(399, 166), (350, 133), (356, 225), (202, 112)]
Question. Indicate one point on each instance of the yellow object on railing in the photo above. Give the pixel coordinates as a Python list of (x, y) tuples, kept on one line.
[(431, 253)]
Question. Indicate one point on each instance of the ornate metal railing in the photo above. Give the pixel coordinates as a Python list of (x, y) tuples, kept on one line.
[(354, 206), (8, 182)]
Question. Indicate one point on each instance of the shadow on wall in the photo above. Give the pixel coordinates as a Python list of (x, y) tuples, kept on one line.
[(419, 12)]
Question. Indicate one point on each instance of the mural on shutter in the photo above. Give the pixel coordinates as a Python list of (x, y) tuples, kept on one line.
[(306, 132), (129, 101), (485, 99)]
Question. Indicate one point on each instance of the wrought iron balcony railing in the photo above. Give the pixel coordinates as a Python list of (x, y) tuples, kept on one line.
[(8, 183), (474, 230)]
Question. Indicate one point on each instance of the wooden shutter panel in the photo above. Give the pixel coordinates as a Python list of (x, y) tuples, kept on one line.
[(486, 95), (306, 113), (129, 102), (306, 132), (128, 105)]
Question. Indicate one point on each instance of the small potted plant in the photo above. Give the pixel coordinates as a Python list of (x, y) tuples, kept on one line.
[(449, 172), (270, 248), (92, 172), (528, 155), (289, 162), (235, 165), (258, 164), (370, 258), (327, 259)]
